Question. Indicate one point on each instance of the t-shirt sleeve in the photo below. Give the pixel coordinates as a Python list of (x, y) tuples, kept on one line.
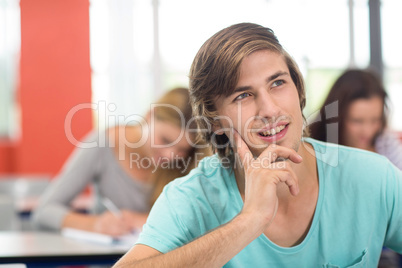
[(393, 239), (164, 229)]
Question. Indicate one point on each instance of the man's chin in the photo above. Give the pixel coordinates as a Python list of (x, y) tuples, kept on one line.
[(259, 149)]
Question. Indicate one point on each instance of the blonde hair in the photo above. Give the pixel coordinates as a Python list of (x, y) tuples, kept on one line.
[(174, 107)]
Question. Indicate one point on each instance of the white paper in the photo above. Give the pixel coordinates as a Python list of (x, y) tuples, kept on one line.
[(124, 240)]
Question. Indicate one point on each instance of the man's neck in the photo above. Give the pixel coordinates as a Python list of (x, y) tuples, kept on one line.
[(293, 213)]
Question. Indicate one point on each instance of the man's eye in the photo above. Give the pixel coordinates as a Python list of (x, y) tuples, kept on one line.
[(242, 96), (278, 83)]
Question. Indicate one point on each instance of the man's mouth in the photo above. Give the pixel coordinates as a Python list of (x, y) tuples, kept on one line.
[(272, 131)]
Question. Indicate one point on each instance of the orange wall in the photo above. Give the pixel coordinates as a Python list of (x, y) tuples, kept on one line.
[(55, 76)]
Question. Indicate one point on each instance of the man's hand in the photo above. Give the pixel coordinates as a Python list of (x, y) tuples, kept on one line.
[(262, 176)]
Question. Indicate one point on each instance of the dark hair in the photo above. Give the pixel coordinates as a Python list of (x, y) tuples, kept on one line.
[(352, 85), (215, 72)]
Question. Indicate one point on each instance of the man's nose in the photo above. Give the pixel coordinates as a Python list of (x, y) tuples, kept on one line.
[(267, 106)]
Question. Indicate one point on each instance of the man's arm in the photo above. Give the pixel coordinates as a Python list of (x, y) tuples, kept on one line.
[(214, 249)]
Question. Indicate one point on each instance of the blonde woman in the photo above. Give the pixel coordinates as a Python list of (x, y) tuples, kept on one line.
[(128, 168)]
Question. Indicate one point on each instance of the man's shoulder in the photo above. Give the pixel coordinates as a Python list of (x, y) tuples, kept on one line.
[(353, 165), (209, 173), (335, 155)]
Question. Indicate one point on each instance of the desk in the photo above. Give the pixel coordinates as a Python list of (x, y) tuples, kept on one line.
[(45, 249)]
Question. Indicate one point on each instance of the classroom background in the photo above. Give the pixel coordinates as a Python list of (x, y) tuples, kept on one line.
[(67, 67)]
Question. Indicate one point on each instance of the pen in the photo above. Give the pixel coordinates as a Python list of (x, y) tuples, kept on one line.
[(111, 206)]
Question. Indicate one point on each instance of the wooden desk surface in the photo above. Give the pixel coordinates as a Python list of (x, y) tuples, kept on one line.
[(47, 247)]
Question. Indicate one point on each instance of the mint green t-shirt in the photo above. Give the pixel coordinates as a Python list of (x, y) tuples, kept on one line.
[(359, 210)]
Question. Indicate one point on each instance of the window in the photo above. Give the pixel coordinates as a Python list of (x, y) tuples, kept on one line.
[(162, 38), (121, 59), (9, 62), (391, 47)]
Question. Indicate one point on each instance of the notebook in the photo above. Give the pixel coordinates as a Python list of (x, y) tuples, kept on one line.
[(127, 240)]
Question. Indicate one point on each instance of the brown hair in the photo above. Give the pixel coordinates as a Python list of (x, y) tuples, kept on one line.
[(352, 85), (215, 72), (180, 115)]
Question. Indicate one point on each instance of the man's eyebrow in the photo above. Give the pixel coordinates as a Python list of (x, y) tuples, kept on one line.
[(269, 79), (240, 89), (276, 75)]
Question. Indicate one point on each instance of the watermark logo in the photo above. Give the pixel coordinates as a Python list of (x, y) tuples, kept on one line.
[(148, 131)]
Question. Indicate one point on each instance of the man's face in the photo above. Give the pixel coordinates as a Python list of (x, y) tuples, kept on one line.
[(264, 106)]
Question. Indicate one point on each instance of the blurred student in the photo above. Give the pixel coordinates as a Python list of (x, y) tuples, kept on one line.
[(362, 115), (128, 171), (362, 122)]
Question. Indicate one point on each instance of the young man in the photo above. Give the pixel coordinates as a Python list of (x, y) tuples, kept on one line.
[(270, 198)]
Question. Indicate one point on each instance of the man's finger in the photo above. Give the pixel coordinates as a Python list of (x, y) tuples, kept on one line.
[(276, 153), (242, 149)]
